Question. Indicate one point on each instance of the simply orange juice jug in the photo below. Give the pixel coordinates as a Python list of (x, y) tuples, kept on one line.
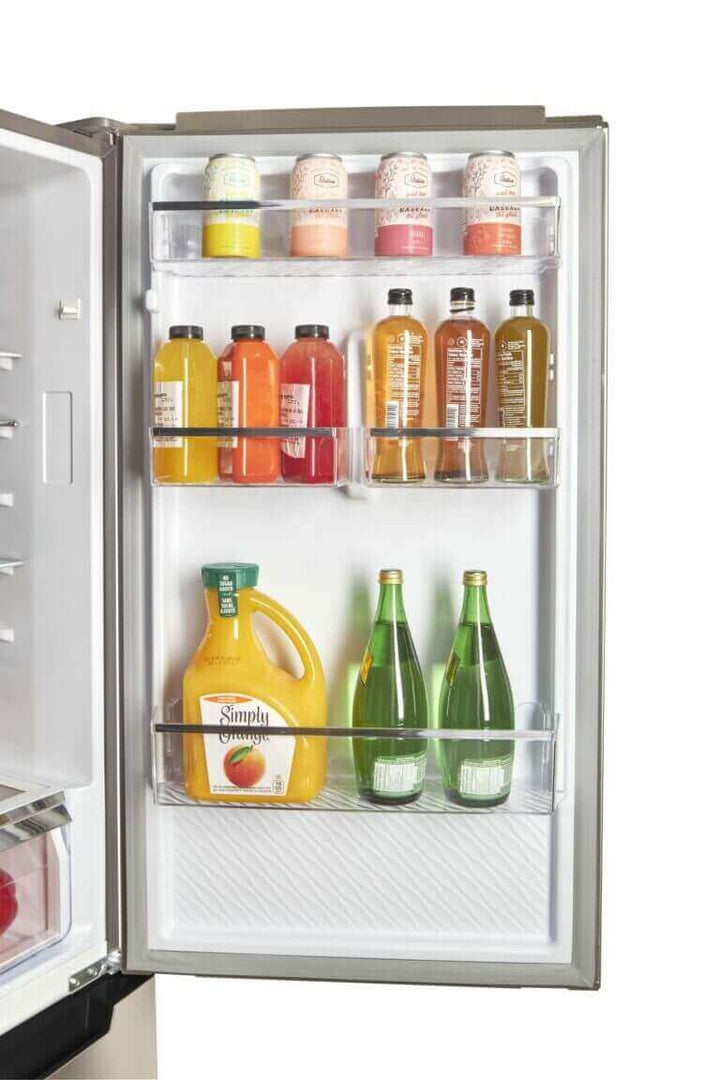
[(231, 680)]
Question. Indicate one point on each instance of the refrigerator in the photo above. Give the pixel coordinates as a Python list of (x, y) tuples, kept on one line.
[(101, 602)]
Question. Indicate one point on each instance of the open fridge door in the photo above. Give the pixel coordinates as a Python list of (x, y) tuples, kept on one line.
[(53, 926), (338, 888)]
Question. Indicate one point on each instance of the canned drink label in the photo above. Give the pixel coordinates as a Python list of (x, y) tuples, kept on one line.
[(230, 178), (485, 177), (401, 177), (319, 178)]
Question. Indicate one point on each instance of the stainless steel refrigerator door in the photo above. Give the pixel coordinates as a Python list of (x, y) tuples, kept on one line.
[(584, 137), (51, 522)]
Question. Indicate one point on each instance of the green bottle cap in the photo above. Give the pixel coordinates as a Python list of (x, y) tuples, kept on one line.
[(229, 577)]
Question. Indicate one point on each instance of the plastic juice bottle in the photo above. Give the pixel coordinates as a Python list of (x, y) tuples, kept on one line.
[(312, 394), (185, 395), (248, 397), (230, 680)]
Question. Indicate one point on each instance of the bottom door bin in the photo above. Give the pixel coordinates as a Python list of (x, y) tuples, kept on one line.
[(34, 875)]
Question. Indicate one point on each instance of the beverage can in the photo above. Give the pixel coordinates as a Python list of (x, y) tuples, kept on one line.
[(492, 229), (231, 233), (319, 232), (404, 230)]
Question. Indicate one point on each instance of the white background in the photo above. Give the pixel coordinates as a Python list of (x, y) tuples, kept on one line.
[(652, 73)]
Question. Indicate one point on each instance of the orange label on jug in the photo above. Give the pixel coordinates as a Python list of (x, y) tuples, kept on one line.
[(249, 760)]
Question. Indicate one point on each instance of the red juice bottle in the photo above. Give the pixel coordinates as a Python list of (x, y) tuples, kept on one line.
[(312, 394)]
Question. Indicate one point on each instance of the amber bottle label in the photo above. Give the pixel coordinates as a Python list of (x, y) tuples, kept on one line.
[(402, 382), (512, 391), (463, 382)]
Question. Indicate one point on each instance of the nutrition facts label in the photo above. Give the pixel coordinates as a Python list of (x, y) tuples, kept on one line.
[(512, 396), (463, 375), (399, 775), (403, 378), (486, 779), (168, 411)]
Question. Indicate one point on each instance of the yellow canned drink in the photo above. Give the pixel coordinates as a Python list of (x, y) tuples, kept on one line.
[(231, 233)]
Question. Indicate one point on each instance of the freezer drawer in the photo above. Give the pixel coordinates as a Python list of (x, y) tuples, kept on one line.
[(34, 876)]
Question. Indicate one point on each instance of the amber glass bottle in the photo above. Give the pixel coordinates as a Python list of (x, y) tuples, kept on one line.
[(462, 353), (399, 359), (522, 358)]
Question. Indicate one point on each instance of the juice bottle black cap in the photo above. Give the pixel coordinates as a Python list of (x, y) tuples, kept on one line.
[(248, 332), (312, 330), (520, 297), (400, 296), (462, 294), (186, 332)]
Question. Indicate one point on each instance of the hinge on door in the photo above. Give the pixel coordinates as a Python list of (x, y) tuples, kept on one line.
[(109, 965), (96, 127)]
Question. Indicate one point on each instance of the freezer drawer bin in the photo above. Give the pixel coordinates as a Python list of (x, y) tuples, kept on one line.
[(34, 875), (261, 242), (251, 456), (430, 770), (461, 457)]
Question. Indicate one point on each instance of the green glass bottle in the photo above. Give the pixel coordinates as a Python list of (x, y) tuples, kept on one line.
[(476, 693), (390, 693)]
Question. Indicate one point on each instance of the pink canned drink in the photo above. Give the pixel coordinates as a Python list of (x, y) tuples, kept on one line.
[(318, 232), (492, 229), (404, 230)]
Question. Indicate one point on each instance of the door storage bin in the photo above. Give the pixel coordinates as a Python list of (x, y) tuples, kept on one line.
[(34, 875), (531, 747)]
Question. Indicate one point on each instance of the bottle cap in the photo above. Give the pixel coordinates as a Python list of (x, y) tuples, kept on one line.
[(186, 332), (462, 294), (390, 577), (246, 332), (474, 577), (520, 297), (400, 296), (312, 330), (229, 577)]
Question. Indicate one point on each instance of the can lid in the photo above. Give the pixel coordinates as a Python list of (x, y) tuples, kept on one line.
[(241, 157), (520, 297), (317, 154), (312, 330), (247, 332), (491, 153), (390, 577), (186, 332), (403, 153), (474, 577), (400, 296), (462, 293), (229, 577)]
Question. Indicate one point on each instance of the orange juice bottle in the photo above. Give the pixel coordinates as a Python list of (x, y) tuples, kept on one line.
[(231, 680), (185, 395), (248, 396)]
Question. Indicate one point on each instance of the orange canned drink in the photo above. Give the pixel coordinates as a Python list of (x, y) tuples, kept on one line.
[(319, 232), (492, 229)]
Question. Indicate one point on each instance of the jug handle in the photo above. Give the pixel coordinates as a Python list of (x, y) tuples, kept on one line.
[(312, 668)]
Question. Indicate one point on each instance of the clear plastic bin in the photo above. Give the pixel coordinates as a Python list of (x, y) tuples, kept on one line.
[(532, 743), (34, 874)]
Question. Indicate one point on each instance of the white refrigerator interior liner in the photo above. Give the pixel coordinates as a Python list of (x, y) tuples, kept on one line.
[(368, 885)]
